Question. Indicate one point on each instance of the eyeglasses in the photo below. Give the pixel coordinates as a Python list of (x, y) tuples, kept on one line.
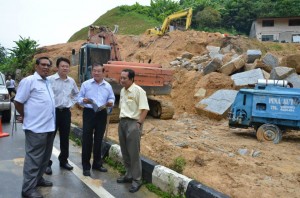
[(45, 65)]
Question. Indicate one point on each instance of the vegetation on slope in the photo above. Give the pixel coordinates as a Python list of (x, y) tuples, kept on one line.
[(128, 22)]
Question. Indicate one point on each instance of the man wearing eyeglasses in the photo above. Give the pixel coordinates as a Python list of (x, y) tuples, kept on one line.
[(35, 103)]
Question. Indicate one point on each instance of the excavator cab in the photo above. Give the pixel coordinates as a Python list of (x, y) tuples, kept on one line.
[(90, 54), (101, 47)]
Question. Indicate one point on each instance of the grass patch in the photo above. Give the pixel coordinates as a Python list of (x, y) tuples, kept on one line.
[(152, 188), (129, 23), (275, 47), (160, 193), (178, 164), (75, 139), (116, 165)]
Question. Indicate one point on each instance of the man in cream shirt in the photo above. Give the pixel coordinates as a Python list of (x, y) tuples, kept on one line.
[(133, 111)]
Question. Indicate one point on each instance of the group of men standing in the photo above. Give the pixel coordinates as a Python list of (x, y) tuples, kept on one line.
[(44, 104)]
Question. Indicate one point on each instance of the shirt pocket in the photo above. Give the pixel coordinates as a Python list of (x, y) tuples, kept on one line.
[(40, 95), (131, 104)]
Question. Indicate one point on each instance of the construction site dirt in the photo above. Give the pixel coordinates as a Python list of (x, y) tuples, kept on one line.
[(231, 161)]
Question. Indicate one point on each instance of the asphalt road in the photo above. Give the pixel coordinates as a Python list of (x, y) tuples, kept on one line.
[(65, 183)]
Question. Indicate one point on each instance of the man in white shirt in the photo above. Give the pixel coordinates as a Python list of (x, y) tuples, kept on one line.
[(11, 86), (65, 93), (35, 103)]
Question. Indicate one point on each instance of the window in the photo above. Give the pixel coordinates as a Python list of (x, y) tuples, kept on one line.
[(296, 38), (268, 23), (267, 38), (294, 22)]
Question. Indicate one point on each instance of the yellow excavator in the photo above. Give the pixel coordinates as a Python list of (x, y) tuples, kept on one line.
[(165, 26)]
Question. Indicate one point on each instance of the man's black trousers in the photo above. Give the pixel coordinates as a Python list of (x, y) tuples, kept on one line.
[(94, 124), (63, 125)]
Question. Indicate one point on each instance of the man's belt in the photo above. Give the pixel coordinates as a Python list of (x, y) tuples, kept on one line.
[(62, 109)]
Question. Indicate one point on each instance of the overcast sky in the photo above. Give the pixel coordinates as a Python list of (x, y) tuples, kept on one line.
[(50, 22)]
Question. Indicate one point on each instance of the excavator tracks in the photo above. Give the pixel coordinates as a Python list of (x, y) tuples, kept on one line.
[(161, 107)]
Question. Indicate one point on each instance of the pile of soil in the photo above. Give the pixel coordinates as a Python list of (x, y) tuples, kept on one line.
[(229, 160)]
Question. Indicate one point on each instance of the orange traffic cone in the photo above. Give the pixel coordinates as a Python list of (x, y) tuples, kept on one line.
[(2, 134)]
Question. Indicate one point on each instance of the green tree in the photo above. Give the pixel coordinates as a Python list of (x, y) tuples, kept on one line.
[(21, 56), (3, 54), (208, 17), (239, 14), (283, 8), (160, 9), (145, 10)]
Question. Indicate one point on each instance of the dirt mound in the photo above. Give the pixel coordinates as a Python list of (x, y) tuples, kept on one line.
[(164, 49), (229, 160)]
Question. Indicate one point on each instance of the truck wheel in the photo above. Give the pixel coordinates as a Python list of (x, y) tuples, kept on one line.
[(269, 132)]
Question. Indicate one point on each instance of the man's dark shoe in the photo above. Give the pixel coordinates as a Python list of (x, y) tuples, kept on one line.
[(66, 166), (44, 183), (124, 179), (134, 188), (32, 194), (100, 168), (48, 170), (86, 173)]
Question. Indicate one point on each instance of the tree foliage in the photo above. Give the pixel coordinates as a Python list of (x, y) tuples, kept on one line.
[(208, 17), (234, 14), (20, 57), (160, 9), (136, 8), (3, 54)]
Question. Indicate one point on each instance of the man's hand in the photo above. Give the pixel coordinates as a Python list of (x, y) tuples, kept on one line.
[(109, 104), (87, 101), (20, 119)]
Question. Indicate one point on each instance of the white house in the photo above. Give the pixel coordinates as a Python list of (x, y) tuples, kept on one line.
[(285, 29)]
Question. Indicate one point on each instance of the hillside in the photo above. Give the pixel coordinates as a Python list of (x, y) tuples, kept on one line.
[(128, 22), (210, 148)]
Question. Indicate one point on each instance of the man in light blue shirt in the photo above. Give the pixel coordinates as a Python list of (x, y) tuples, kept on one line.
[(35, 103), (95, 95)]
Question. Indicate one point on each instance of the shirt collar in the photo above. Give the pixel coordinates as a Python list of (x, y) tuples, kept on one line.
[(102, 82), (56, 76), (131, 87), (37, 76)]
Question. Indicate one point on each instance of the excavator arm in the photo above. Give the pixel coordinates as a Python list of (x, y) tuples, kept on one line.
[(165, 26)]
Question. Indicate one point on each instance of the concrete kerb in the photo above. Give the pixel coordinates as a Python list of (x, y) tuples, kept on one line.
[(160, 176)]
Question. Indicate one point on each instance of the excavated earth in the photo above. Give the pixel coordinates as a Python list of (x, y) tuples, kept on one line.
[(231, 161)]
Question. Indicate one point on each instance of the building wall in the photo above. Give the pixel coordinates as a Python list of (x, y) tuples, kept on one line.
[(281, 31)]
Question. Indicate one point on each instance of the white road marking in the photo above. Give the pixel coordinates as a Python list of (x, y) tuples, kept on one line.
[(90, 182)]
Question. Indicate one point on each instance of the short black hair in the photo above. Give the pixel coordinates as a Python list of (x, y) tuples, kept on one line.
[(62, 59), (98, 64), (38, 60), (131, 74)]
